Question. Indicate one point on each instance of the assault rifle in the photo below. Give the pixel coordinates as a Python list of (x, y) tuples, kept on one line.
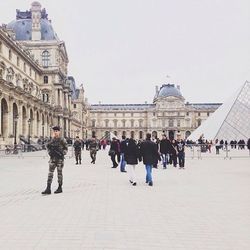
[(55, 152)]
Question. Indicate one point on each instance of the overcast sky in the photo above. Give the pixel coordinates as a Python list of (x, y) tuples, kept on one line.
[(121, 49)]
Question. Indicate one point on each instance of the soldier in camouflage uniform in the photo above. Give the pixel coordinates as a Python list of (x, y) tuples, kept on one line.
[(57, 148), (78, 150), (93, 148)]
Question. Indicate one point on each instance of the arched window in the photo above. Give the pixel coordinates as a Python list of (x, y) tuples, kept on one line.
[(140, 135), (10, 54), (45, 58), (132, 134), (45, 79), (45, 97)]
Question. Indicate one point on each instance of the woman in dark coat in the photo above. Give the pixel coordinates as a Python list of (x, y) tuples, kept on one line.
[(131, 155)]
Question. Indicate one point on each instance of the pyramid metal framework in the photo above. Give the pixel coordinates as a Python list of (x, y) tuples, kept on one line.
[(229, 122)]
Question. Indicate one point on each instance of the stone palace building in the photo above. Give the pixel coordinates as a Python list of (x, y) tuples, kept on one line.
[(169, 114), (35, 89)]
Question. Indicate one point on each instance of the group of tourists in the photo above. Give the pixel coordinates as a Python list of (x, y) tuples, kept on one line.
[(128, 153)]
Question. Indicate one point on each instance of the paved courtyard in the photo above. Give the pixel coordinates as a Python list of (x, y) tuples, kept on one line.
[(205, 206)]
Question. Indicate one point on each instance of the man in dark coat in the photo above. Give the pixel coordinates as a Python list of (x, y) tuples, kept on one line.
[(115, 152), (149, 153), (165, 147)]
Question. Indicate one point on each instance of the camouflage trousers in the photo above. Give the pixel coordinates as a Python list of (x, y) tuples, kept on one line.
[(78, 155), (55, 164), (93, 154)]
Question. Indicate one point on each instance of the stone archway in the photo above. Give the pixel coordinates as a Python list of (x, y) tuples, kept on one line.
[(171, 134), (14, 116), (132, 134), (37, 124), (31, 123), (141, 135), (24, 121), (154, 134), (4, 118), (43, 124)]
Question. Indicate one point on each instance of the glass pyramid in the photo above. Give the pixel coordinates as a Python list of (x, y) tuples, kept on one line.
[(229, 122)]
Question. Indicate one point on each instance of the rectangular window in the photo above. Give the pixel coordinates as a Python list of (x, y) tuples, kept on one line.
[(74, 105), (24, 67), (18, 61), (1, 47)]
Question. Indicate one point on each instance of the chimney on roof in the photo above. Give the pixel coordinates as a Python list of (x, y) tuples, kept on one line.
[(156, 89), (36, 19)]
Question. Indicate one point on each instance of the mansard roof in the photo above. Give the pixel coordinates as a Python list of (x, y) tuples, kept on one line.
[(203, 106), (22, 26), (127, 107)]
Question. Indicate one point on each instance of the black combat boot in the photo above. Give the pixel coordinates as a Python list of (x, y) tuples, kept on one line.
[(59, 189), (47, 190)]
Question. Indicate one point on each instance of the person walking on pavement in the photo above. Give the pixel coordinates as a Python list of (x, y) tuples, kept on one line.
[(165, 147), (114, 152), (180, 146), (173, 154), (57, 148), (78, 150), (149, 153), (132, 155), (93, 148), (124, 143)]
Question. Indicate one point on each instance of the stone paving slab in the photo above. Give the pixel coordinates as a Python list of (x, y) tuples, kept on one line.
[(205, 206)]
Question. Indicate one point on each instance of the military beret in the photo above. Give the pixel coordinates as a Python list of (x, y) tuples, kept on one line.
[(56, 128)]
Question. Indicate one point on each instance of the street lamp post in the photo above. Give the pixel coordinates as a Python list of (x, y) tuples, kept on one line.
[(15, 131), (29, 122)]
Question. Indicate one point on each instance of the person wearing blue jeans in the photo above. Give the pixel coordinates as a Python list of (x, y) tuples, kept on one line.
[(148, 173), (150, 156), (165, 148), (124, 144)]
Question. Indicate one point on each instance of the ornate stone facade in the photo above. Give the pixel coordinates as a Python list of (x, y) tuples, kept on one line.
[(167, 114), (35, 90)]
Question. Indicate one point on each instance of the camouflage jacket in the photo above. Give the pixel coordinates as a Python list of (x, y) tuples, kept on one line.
[(57, 148)]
